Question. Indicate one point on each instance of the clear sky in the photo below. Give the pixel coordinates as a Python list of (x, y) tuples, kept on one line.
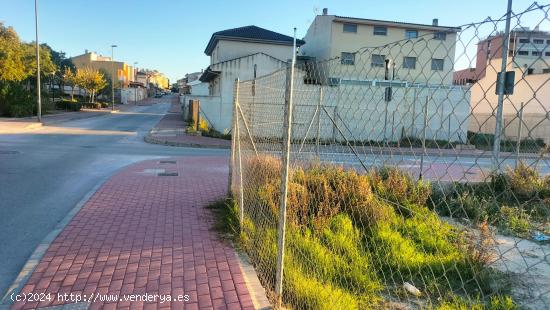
[(170, 35)]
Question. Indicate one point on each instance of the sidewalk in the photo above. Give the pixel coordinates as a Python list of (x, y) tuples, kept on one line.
[(8, 125), (146, 231), (170, 130)]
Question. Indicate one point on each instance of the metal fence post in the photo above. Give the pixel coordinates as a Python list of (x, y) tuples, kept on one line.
[(233, 142), (424, 138), (241, 191), (500, 89), (285, 169), (518, 142), (319, 120)]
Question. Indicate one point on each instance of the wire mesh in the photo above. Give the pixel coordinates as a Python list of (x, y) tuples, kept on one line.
[(395, 196)]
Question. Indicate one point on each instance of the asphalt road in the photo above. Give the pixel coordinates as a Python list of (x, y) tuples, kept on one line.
[(44, 173)]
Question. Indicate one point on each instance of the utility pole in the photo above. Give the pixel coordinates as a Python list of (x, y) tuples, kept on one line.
[(135, 80), (500, 90), (113, 77), (39, 108)]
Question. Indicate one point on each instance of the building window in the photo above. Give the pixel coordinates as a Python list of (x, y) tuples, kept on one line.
[(347, 58), (411, 34), (440, 36), (547, 41), (546, 53), (523, 40), (538, 41), (409, 62), (380, 31), (437, 64), (530, 71), (378, 60), (523, 53), (350, 28), (536, 53), (546, 70)]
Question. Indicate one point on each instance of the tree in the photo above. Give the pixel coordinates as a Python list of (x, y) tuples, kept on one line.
[(69, 78), (11, 53), (91, 80)]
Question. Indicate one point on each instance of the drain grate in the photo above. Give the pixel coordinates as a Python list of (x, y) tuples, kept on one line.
[(168, 174), (167, 162), (2, 152)]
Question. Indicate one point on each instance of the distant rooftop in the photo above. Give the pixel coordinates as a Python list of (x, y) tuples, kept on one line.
[(250, 34), (402, 24)]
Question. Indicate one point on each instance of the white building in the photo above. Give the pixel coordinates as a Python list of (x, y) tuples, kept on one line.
[(245, 53)]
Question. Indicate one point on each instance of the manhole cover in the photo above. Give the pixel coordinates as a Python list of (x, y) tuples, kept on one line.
[(168, 174), (167, 162), (8, 152)]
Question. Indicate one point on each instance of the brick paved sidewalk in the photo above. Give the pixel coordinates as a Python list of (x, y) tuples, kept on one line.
[(170, 130), (146, 231)]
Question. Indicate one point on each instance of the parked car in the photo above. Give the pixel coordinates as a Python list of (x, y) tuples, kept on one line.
[(158, 95)]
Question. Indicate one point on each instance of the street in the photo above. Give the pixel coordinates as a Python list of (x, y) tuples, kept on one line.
[(46, 172)]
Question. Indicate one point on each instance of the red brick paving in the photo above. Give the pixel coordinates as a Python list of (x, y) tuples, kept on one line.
[(144, 233), (174, 123)]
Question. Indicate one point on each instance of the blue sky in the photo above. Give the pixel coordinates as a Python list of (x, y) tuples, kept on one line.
[(170, 35)]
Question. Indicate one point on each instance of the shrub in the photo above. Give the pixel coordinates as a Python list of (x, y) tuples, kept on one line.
[(524, 181), (513, 221), (398, 187)]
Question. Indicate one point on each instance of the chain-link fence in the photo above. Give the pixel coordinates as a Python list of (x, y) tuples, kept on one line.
[(385, 178)]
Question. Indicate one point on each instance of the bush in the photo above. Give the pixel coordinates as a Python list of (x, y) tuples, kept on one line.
[(524, 181), (69, 105), (514, 221), (398, 187)]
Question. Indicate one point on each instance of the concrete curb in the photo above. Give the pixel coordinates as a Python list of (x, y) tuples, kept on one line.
[(36, 256), (257, 291), (152, 140)]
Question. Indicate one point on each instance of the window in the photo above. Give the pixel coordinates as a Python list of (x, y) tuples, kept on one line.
[(523, 40), (536, 53), (437, 64), (547, 41), (411, 34), (378, 60), (530, 71), (380, 31), (350, 28), (523, 53), (538, 41), (545, 70), (409, 62), (347, 58), (440, 36), (546, 53)]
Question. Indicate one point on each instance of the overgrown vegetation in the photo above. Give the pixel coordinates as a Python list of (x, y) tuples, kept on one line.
[(517, 201), (206, 130), (353, 240), (485, 141)]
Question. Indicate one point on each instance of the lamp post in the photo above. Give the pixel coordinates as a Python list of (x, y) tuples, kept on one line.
[(135, 84), (39, 108), (113, 77)]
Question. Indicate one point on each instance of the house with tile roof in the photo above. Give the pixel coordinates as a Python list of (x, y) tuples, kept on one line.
[(245, 53)]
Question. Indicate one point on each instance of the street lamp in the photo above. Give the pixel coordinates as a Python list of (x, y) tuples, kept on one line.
[(113, 77), (39, 109), (135, 82)]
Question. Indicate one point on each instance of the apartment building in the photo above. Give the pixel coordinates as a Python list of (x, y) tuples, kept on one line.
[(413, 53), (529, 50), (124, 73)]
